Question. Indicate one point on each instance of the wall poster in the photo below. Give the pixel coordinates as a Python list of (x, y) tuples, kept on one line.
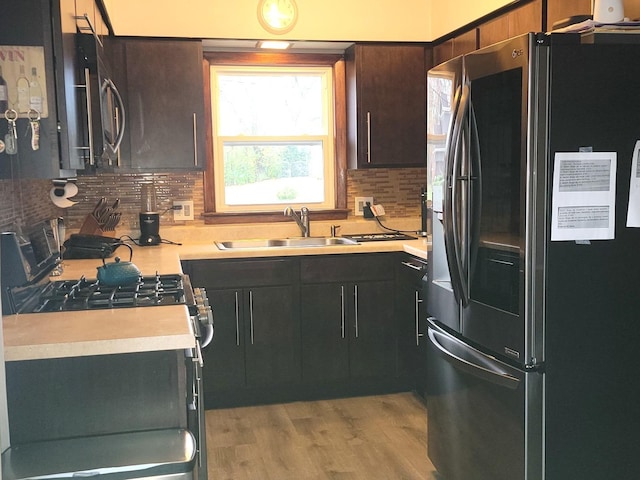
[(23, 83)]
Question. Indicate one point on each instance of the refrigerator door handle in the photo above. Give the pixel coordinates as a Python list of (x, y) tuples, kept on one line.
[(475, 199), (470, 360), (452, 240)]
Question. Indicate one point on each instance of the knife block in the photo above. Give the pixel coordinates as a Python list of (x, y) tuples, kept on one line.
[(90, 226)]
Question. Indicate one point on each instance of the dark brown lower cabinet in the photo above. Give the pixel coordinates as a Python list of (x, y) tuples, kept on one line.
[(293, 328), (255, 343), (254, 356), (57, 398), (348, 322)]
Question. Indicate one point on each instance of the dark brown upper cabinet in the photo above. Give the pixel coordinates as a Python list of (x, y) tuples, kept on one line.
[(527, 18), (164, 98), (386, 105), (38, 36)]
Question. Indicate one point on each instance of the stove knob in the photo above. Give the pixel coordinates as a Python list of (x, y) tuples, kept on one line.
[(200, 295), (205, 315)]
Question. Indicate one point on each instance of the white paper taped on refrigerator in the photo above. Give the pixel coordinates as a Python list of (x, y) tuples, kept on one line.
[(584, 191), (633, 212)]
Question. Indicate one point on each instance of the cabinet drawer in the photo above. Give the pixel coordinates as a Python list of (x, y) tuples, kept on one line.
[(341, 268), (241, 273)]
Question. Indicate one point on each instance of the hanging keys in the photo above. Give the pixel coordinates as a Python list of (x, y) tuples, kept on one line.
[(11, 138), (34, 121)]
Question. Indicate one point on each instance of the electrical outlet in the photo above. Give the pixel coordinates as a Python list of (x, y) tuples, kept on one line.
[(360, 203), (184, 213)]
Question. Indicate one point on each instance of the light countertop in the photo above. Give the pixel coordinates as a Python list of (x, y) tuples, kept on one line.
[(127, 330)]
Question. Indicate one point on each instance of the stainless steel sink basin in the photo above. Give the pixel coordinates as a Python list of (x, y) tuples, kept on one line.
[(285, 242)]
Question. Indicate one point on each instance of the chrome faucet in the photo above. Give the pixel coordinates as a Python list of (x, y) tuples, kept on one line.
[(302, 220)]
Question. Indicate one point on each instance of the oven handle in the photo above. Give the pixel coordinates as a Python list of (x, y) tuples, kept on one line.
[(206, 329), (197, 355)]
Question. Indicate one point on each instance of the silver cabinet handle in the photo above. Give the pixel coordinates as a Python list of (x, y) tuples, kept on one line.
[(342, 306), (195, 140), (355, 310), (251, 313), (411, 265), (501, 262), (237, 321), (368, 137), (418, 301)]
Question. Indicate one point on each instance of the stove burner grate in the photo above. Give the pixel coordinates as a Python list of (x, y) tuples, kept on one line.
[(86, 294), (372, 237)]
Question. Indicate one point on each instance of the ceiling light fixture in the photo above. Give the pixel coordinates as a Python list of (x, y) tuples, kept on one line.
[(273, 44)]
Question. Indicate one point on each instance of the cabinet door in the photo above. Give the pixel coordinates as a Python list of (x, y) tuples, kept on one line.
[(386, 106), (372, 331), (165, 113), (408, 302), (50, 28), (272, 336), (325, 352), (224, 366), (464, 43), (560, 9)]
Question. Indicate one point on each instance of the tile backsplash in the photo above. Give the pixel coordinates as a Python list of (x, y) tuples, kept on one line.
[(25, 202), (398, 190)]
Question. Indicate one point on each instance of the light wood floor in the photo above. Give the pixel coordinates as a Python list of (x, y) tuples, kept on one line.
[(374, 438)]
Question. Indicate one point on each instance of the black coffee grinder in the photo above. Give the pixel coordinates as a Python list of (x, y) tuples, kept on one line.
[(149, 216)]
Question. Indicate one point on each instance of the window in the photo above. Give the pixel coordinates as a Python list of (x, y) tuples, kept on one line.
[(276, 138), (271, 137)]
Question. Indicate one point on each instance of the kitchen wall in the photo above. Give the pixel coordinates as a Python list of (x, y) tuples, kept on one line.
[(25, 201), (398, 190), (355, 20), (337, 20)]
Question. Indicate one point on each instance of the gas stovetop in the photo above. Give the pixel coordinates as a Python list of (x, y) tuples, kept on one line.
[(374, 237), (83, 294)]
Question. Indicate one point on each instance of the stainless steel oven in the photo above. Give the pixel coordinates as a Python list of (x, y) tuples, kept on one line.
[(47, 397)]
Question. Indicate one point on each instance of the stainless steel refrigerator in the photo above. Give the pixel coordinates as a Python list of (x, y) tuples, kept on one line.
[(535, 311)]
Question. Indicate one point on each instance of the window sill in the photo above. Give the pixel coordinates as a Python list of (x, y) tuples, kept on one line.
[(217, 218)]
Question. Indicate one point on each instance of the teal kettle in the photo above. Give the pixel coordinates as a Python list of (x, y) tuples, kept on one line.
[(118, 273)]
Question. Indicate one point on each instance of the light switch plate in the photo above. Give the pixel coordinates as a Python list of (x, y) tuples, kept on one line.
[(361, 202), (186, 212)]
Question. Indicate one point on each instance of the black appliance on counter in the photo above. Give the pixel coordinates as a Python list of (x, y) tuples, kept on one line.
[(149, 216), (533, 348), (136, 399)]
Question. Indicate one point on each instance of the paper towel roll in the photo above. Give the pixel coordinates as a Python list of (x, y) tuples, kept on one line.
[(59, 199), (70, 190)]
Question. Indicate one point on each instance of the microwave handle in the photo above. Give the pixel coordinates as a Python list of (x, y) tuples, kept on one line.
[(120, 107)]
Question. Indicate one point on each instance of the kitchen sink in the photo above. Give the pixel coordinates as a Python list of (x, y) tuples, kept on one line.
[(285, 242)]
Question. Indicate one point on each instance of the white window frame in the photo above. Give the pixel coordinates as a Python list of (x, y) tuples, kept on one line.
[(327, 140)]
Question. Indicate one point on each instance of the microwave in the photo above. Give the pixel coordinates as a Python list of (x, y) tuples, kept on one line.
[(104, 108)]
